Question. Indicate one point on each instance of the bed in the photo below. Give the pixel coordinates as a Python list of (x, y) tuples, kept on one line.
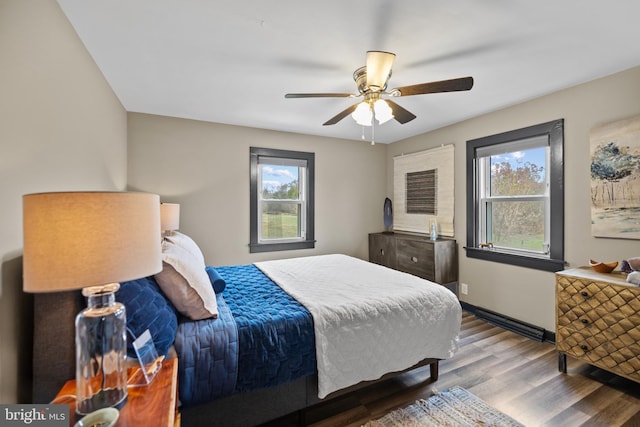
[(287, 334)]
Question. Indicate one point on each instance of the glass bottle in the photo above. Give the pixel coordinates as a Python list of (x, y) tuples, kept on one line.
[(101, 346)]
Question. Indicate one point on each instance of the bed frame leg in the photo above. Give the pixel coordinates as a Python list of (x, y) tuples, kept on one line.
[(434, 370), (302, 417)]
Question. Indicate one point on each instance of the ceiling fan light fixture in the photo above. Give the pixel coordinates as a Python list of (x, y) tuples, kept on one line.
[(379, 69), (382, 111), (363, 114)]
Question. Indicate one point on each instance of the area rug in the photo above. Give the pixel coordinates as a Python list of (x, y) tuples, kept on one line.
[(454, 407)]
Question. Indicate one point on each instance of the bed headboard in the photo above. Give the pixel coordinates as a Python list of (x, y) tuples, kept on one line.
[(54, 342)]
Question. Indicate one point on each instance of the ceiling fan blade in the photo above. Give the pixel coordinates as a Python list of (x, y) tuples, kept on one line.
[(379, 68), (341, 115), (319, 95), (453, 85), (401, 114)]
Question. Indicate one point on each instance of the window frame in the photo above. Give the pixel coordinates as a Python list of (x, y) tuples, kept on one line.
[(554, 132), (258, 245)]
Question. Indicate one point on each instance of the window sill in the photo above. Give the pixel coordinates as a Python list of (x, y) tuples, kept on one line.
[(273, 247), (545, 264)]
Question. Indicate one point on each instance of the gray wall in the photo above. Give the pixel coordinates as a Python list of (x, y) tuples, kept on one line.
[(518, 292), (61, 128), (205, 167)]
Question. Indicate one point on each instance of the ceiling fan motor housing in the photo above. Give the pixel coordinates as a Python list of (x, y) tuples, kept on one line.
[(360, 77)]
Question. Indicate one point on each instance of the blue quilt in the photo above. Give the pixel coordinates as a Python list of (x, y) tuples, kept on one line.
[(262, 337)]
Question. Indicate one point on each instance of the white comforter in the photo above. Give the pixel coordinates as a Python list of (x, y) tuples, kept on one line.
[(369, 320)]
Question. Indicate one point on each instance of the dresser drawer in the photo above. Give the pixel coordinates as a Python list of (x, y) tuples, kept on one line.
[(597, 321), (575, 319), (582, 345), (382, 250), (618, 355), (416, 258)]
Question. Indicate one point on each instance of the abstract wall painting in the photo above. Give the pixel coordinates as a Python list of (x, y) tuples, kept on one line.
[(615, 179)]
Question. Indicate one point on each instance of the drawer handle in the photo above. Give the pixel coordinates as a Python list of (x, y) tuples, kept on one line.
[(382, 252), (585, 321), (414, 259), (585, 294)]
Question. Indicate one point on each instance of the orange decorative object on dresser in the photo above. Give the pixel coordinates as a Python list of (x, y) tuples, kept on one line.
[(153, 404)]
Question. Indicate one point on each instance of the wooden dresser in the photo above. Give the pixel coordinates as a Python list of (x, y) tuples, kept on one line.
[(434, 260), (598, 321)]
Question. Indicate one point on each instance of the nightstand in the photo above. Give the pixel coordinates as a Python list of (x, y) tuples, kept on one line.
[(598, 321), (154, 404)]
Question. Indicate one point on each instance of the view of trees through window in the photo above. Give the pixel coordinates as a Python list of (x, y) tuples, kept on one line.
[(516, 204), (281, 205)]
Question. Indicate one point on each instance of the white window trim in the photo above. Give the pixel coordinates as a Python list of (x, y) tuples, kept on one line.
[(484, 197), (301, 201)]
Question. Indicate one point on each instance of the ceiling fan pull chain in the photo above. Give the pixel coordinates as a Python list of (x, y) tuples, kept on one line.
[(363, 138), (373, 132)]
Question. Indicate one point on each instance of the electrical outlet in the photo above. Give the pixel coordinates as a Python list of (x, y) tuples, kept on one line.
[(464, 289)]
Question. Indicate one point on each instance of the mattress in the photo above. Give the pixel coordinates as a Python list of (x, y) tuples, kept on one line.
[(369, 320)]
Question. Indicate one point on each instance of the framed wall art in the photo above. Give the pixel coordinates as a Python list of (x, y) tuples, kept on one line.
[(615, 179)]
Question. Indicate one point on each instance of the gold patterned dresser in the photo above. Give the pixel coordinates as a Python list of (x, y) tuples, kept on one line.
[(598, 321)]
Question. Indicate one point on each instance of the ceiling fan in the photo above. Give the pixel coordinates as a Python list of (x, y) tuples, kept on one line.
[(371, 81)]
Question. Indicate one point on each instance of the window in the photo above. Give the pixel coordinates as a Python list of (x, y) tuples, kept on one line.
[(282, 184), (515, 197)]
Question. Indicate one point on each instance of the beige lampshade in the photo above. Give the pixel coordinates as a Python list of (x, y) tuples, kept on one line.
[(74, 240), (169, 216)]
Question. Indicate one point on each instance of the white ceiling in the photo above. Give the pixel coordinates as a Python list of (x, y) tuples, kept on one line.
[(232, 61)]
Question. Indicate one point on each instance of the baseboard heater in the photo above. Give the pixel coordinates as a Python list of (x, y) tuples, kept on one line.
[(514, 325)]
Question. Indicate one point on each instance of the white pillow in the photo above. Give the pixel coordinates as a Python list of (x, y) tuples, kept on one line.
[(184, 280)]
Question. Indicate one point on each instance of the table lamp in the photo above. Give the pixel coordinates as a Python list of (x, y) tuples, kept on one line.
[(169, 217), (92, 241)]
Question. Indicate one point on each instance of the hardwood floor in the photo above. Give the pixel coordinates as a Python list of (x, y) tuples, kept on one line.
[(512, 373)]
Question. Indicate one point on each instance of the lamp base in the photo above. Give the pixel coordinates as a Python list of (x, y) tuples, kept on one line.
[(108, 398), (101, 345)]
